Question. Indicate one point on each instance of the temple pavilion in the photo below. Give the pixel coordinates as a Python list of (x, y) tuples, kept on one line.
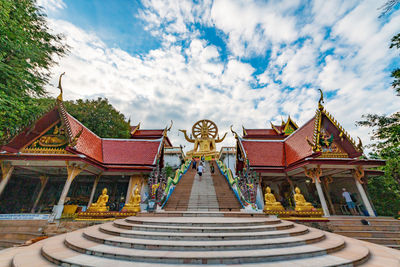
[(57, 160), (319, 157)]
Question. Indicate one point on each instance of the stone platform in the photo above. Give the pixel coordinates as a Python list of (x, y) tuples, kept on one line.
[(191, 241)]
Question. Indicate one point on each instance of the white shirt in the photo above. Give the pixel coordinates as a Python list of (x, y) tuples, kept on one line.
[(200, 169), (347, 196)]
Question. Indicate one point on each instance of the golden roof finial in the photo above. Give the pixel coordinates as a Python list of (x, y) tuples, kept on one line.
[(169, 128), (233, 132), (321, 100), (60, 96)]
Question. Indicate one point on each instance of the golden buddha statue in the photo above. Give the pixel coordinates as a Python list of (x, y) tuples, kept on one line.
[(301, 203), (133, 204), (205, 134), (270, 201), (101, 204)]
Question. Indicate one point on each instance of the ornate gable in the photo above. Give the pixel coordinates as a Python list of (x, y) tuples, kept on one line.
[(52, 141), (330, 138)]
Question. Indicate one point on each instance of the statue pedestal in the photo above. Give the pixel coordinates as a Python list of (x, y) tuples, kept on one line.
[(131, 208), (103, 216)]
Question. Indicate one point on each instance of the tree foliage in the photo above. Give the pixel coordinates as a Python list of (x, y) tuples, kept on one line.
[(27, 51), (100, 117), (385, 190), (396, 73)]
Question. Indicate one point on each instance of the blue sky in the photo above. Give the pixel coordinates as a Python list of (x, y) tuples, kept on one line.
[(234, 62)]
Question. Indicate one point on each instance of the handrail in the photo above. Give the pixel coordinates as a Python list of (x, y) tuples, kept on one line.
[(233, 183), (172, 182)]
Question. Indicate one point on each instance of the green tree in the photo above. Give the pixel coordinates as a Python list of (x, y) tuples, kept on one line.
[(100, 117), (385, 190), (27, 52)]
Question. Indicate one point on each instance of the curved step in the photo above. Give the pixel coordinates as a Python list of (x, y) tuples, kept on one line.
[(31, 257), (57, 253), (112, 230), (77, 242), (202, 221), (205, 229), (95, 235)]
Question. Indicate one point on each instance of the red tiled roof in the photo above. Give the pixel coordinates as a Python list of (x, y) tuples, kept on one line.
[(133, 152), (148, 133), (268, 153), (264, 134), (250, 132), (264, 153), (88, 143), (296, 144)]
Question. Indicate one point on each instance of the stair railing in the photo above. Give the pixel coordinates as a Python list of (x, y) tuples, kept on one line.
[(166, 191), (244, 191)]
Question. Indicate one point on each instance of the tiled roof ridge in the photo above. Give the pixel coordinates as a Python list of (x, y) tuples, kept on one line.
[(133, 140)]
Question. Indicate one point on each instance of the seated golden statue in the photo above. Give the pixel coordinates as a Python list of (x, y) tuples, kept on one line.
[(205, 133), (301, 203), (270, 202), (101, 204), (133, 204)]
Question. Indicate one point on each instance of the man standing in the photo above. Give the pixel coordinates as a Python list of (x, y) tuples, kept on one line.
[(194, 164), (200, 170), (349, 202)]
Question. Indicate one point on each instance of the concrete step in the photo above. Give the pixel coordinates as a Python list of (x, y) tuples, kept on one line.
[(23, 236), (339, 258), (203, 221), (7, 243), (381, 241), (95, 235), (77, 242), (112, 230), (22, 223), (204, 229), (374, 234), (357, 221), (350, 227)]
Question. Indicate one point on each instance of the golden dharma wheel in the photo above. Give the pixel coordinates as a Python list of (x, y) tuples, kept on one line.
[(205, 128)]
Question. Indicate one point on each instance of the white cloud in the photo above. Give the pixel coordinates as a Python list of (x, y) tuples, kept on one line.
[(51, 5), (195, 82)]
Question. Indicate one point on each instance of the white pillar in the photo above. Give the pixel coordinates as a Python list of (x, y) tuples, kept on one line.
[(43, 182), (96, 181), (6, 171), (73, 171), (322, 198), (365, 199)]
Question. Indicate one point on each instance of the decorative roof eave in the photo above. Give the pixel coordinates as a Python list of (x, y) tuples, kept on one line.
[(335, 161), (276, 129), (244, 131), (136, 128)]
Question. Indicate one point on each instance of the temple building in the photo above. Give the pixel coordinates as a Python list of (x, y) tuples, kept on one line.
[(319, 157), (57, 161)]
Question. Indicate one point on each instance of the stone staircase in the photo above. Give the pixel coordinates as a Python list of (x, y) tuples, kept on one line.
[(211, 193), (179, 199), (382, 230), (191, 241), (17, 232), (227, 200)]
